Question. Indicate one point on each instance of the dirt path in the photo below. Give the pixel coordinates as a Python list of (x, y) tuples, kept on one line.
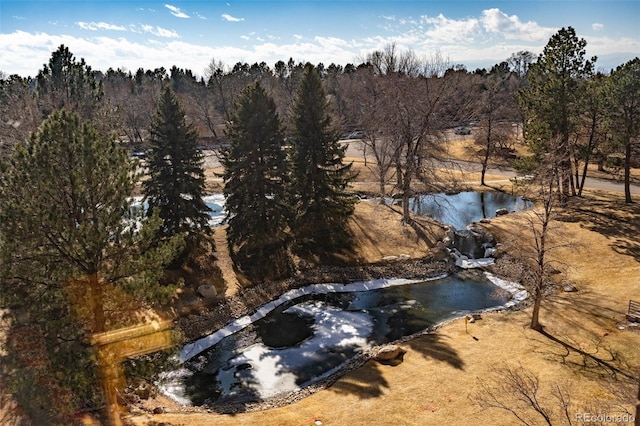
[(224, 261)]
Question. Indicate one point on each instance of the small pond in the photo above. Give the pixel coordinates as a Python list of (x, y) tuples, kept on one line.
[(463, 208), (304, 339)]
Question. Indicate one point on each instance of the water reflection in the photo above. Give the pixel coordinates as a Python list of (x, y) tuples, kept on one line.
[(459, 210)]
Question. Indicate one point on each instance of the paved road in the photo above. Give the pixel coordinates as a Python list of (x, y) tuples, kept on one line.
[(354, 149)]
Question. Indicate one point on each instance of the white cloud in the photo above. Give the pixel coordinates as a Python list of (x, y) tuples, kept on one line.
[(475, 41), (175, 11), (230, 18), (445, 30), (95, 26), (159, 31), (512, 28), (597, 27)]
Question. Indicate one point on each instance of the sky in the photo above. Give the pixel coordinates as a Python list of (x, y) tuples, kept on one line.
[(191, 34)]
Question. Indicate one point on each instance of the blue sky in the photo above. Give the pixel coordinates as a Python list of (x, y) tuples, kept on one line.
[(190, 34)]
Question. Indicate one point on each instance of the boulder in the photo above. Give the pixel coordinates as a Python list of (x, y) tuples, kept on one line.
[(207, 291), (472, 241), (474, 263), (473, 317), (390, 355), (502, 212), (390, 259), (489, 252)]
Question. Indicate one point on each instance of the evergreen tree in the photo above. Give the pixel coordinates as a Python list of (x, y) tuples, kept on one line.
[(550, 101), (256, 182), (67, 83), (320, 177), (76, 255), (625, 113), (176, 181)]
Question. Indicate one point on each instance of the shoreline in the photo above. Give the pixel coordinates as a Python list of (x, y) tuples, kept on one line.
[(517, 300)]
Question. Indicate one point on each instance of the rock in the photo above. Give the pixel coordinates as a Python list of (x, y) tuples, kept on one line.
[(390, 355), (489, 252), (472, 241), (143, 392), (159, 410), (569, 287), (207, 291), (404, 257), (502, 212), (474, 263), (390, 259), (485, 220)]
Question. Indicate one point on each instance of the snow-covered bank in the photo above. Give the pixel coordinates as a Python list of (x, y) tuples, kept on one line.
[(194, 348), (214, 201), (518, 292)]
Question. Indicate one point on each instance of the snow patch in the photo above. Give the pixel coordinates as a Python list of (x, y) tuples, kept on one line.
[(194, 348)]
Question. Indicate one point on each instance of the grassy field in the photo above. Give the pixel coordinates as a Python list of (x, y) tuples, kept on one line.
[(587, 349)]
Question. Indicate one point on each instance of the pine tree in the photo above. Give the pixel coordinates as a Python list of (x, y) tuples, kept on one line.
[(551, 98), (70, 84), (256, 182), (320, 177), (624, 89), (176, 181), (76, 255)]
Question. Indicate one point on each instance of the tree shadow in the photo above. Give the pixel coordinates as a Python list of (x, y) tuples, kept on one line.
[(602, 361), (368, 381), (616, 220), (359, 376), (365, 382), (573, 308), (434, 346)]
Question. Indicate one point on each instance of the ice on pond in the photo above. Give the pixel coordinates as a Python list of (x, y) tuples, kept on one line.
[(323, 326)]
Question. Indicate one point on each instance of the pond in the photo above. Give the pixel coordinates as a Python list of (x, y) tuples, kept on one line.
[(463, 208), (458, 209), (310, 333)]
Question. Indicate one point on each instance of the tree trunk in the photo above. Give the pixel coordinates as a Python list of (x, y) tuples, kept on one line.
[(638, 405), (97, 303), (383, 189), (535, 314), (627, 172), (406, 213), (485, 161)]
